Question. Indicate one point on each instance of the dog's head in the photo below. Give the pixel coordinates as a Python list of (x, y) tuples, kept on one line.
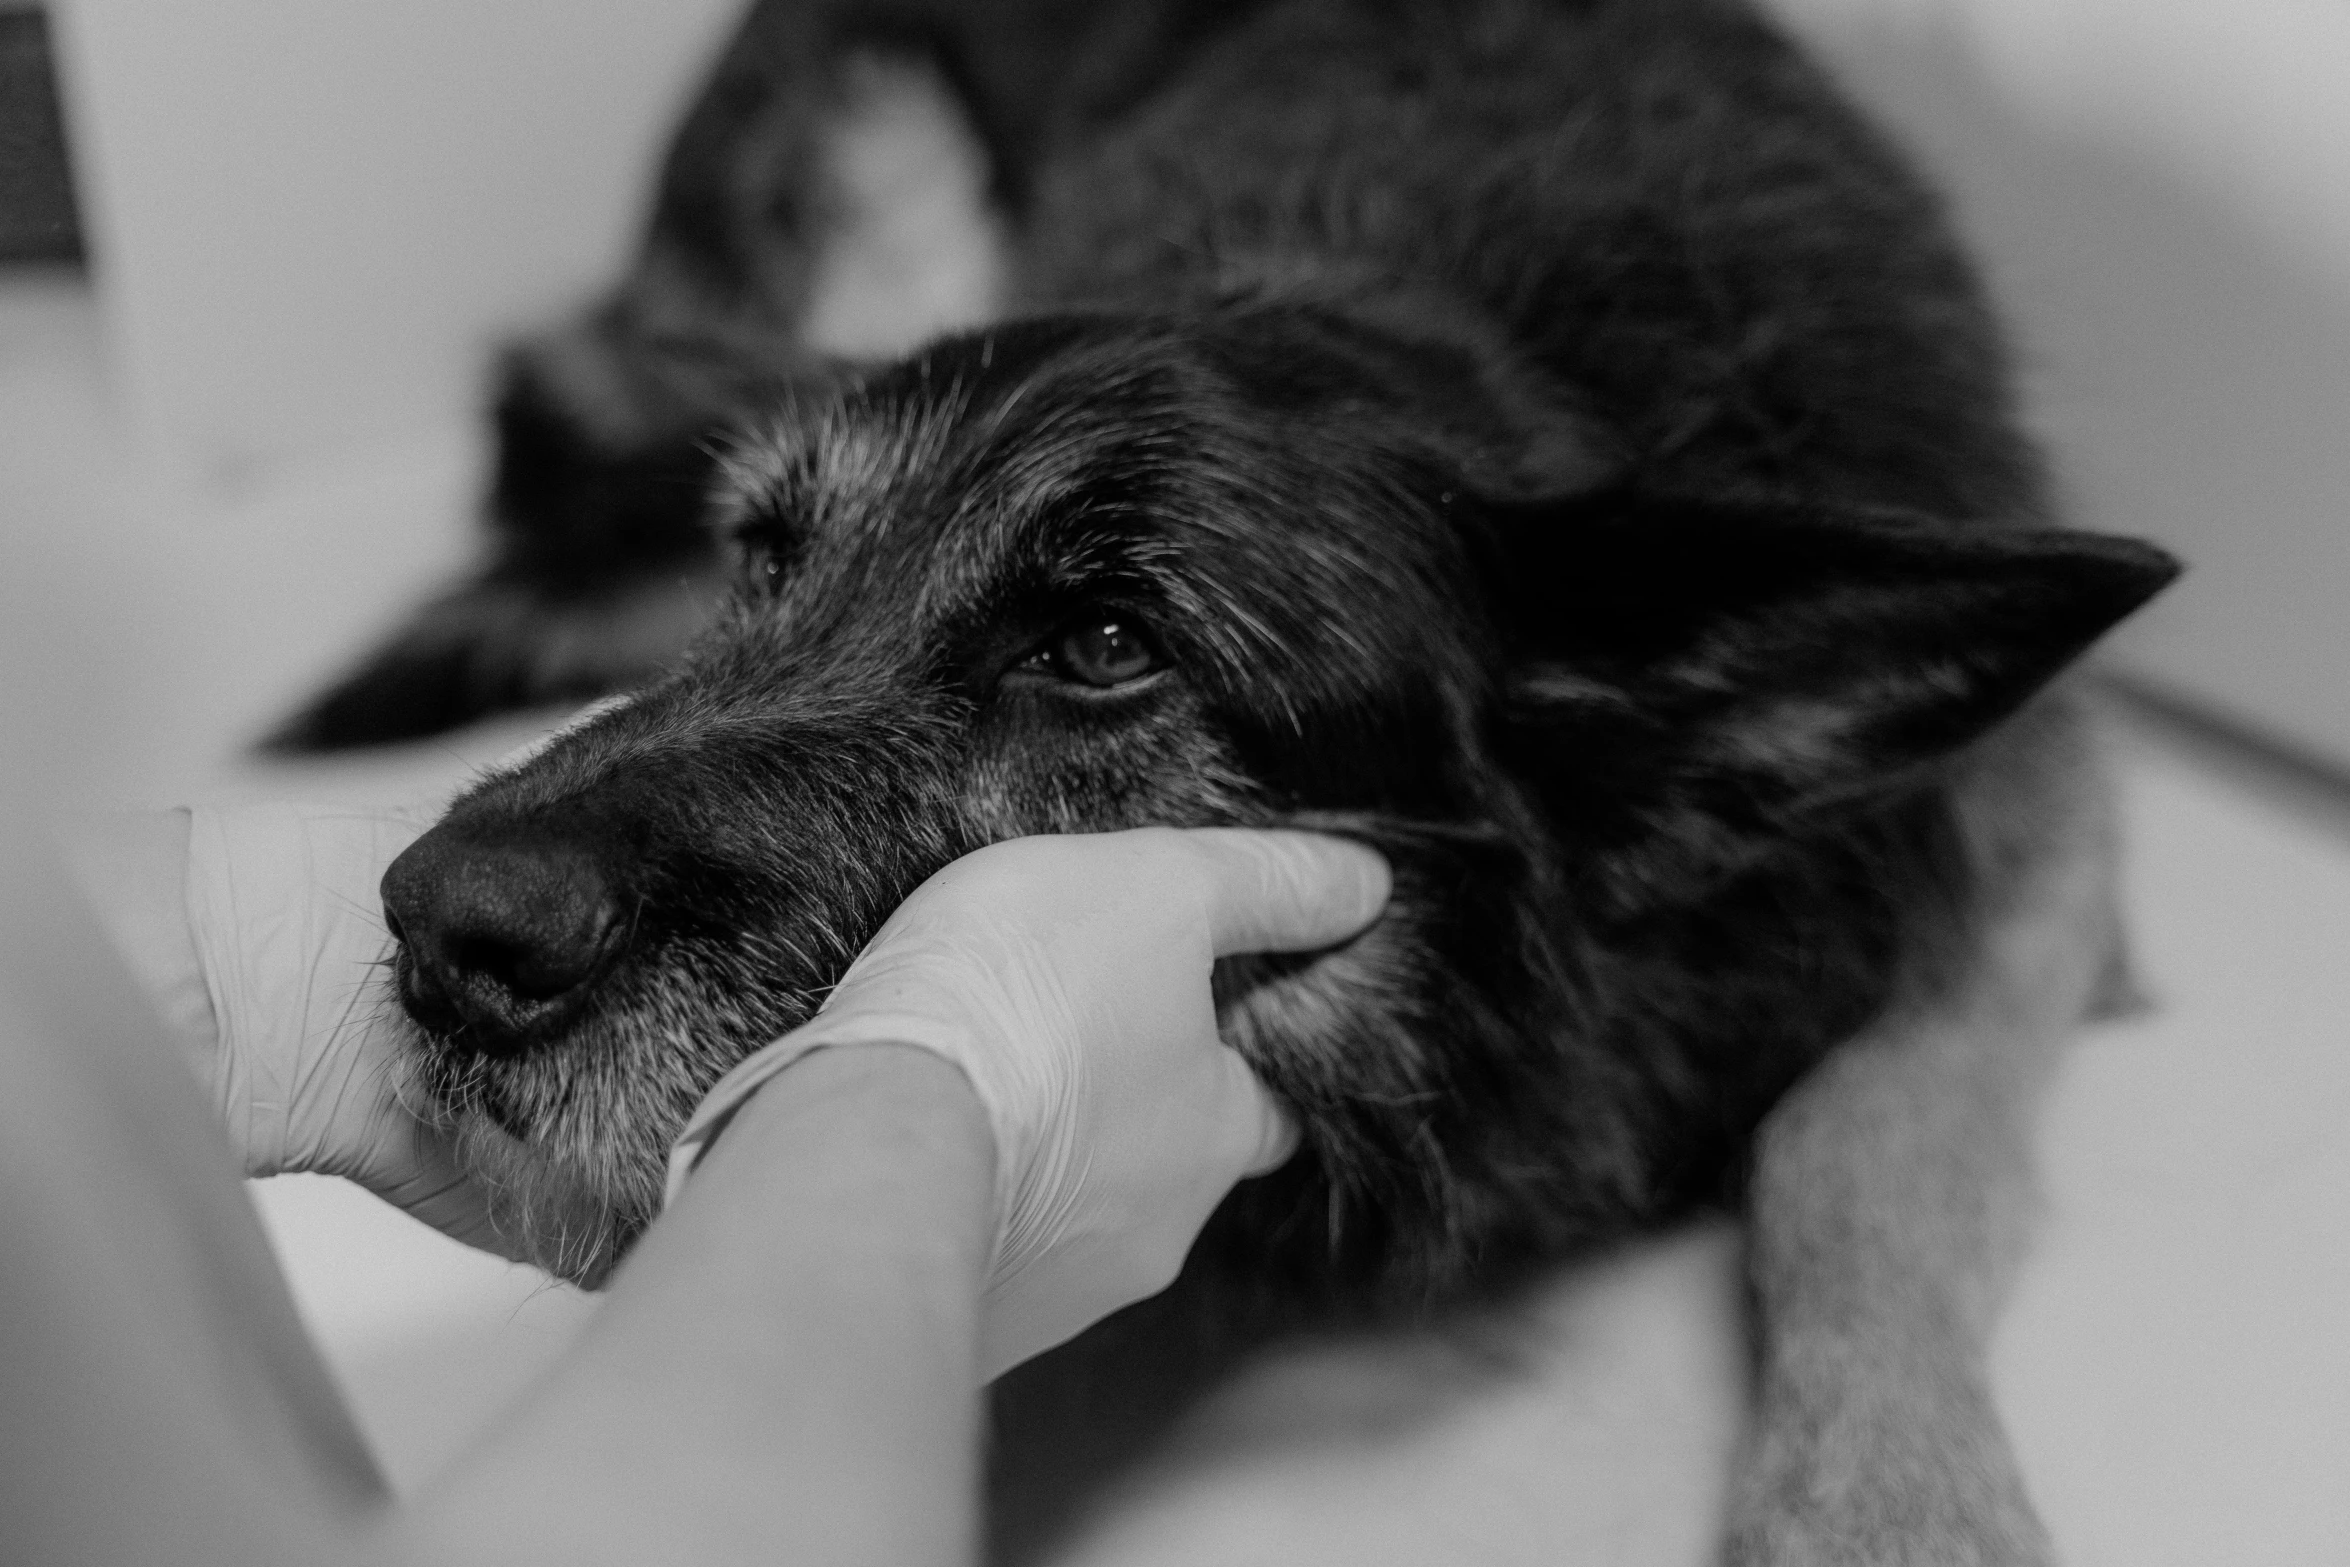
[(1267, 566)]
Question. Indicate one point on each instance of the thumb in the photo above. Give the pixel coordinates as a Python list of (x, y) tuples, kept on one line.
[(1281, 891), (1263, 1128), (415, 1169)]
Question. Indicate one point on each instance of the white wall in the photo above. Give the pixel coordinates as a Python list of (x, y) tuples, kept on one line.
[(2162, 191), (312, 217)]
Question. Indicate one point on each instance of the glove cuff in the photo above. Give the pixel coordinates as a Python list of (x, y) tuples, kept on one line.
[(730, 1093), (726, 1096)]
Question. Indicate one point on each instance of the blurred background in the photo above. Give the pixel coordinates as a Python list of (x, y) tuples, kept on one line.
[(256, 255)]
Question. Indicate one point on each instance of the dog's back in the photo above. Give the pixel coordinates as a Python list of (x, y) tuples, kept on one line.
[(1678, 224)]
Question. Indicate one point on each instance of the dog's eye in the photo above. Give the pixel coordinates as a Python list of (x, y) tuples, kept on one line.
[(765, 546), (762, 564), (1100, 650)]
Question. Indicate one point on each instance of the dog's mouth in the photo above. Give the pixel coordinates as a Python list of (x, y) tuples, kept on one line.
[(456, 1083), (567, 1125)]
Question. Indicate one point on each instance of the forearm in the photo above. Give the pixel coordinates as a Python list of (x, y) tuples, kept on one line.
[(132, 868), (158, 1396), (808, 1312)]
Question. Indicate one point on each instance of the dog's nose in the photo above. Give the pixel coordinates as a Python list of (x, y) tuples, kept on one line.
[(505, 938)]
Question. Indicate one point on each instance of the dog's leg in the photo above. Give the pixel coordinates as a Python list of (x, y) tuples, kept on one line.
[(1889, 1196)]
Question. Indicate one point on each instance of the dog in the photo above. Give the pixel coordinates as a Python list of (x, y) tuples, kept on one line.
[(1557, 443)]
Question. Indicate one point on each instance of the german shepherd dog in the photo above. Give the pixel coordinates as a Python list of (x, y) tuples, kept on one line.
[(1552, 440)]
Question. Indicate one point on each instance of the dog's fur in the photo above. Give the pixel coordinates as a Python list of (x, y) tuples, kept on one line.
[(1555, 442)]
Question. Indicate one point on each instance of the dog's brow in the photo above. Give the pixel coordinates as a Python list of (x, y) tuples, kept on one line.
[(805, 469), (1062, 551), (1123, 557), (762, 467), (1103, 520)]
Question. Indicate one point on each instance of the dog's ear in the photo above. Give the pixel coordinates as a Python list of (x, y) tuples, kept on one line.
[(1737, 665)]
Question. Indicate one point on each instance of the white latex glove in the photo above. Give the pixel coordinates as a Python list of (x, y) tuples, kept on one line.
[(283, 908), (1067, 977)]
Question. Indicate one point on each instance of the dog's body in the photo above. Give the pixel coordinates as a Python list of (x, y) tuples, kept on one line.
[(1554, 442)]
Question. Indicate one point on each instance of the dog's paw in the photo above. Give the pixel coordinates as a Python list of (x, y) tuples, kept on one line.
[(1927, 1485), (499, 644)]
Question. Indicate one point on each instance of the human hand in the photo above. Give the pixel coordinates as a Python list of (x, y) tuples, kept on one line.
[(1068, 978), (290, 941)]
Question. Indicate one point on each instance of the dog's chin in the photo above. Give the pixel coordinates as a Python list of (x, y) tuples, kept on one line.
[(567, 1221), (576, 1216), (568, 1137)]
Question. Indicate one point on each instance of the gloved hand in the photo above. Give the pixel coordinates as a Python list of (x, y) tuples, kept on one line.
[(290, 941), (1067, 977)]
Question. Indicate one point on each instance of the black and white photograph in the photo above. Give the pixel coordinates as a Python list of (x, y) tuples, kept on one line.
[(1175, 783)]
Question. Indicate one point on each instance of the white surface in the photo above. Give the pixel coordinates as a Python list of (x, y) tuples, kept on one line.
[(2176, 1367), (429, 1339)]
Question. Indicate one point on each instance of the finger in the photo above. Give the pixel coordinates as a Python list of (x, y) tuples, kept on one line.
[(1276, 1135), (1280, 891), (416, 1170)]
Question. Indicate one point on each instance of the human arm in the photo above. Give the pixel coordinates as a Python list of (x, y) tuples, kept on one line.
[(828, 1258), (159, 1399), (1011, 1118), (787, 1359), (301, 1049), (740, 1392)]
